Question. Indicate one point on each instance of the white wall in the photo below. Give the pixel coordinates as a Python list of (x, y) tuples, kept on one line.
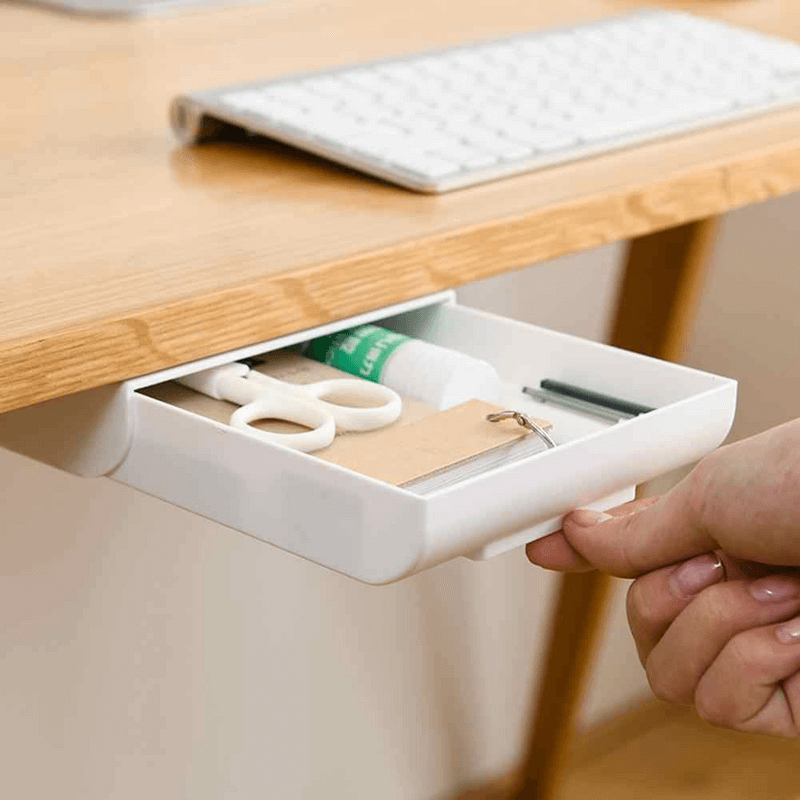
[(149, 653)]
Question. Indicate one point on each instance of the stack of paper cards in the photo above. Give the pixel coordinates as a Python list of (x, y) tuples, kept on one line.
[(424, 451)]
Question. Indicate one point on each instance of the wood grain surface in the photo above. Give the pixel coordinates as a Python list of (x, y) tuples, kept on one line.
[(123, 253), (662, 752)]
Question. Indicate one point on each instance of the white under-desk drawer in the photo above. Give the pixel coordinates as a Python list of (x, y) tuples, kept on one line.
[(370, 530)]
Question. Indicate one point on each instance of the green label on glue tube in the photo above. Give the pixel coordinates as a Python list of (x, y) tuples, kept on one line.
[(361, 351)]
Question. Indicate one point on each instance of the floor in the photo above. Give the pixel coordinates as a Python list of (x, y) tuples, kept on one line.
[(656, 752)]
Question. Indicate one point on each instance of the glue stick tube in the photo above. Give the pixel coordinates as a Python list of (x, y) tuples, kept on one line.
[(412, 367)]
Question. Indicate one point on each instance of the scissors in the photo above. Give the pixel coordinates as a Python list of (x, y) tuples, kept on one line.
[(263, 397)]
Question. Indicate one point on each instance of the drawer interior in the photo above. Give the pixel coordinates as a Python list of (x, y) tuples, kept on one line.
[(523, 356)]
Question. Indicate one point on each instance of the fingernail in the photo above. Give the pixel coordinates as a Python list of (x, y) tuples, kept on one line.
[(586, 518), (695, 575), (775, 588), (789, 633)]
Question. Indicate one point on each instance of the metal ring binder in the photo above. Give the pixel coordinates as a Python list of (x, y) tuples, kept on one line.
[(526, 422)]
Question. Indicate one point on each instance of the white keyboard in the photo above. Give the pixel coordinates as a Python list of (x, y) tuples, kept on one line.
[(471, 114)]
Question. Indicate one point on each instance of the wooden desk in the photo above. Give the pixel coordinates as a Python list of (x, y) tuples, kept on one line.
[(124, 254)]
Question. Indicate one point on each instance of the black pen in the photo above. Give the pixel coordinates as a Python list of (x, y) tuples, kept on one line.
[(598, 399), (573, 404)]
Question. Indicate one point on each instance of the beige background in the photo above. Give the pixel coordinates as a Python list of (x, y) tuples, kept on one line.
[(146, 652)]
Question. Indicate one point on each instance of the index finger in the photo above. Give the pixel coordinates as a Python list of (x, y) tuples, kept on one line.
[(668, 531), (555, 552)]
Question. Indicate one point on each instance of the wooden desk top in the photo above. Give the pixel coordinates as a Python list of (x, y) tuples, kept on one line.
[(123, 254)]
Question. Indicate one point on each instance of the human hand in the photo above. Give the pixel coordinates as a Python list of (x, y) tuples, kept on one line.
[(715, 601)]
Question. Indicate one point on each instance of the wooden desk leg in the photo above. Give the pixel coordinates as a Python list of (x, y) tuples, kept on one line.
[(655, 305)]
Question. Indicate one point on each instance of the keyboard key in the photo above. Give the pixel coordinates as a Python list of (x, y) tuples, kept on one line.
[(469, 157), (517, 129), (651, 118), (434, 140), (751, 94), (333, 127), (787, 88), (428, 165), (498, 145), (783, 58), (547, 141), (244, 99), (294, 95)]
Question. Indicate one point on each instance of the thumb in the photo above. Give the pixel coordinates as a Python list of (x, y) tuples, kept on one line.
[(658, 534)]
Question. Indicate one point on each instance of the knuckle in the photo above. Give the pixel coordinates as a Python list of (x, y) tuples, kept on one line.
[(716, 603), (700, 480), (742, 656), (707, 707), (660, 684), (633, 600), (642, 611), (738, 654), (747, 652), (626, 558)]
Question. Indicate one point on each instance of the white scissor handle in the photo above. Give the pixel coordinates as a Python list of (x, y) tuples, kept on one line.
[(291, 409), (232, 382), (386, 409)]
